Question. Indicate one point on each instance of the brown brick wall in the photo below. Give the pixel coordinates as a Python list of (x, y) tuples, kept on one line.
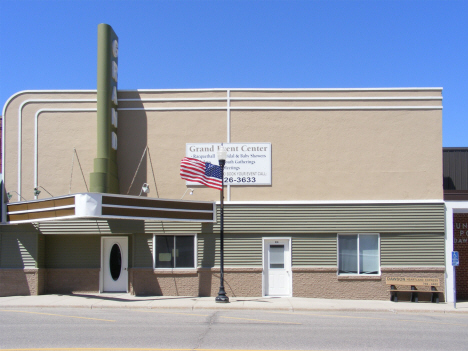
[(201, 282), (143, 281), (460, 244), (41, 280), (324, 283), (247, 282), (237, 281), (71, 280), (21, 282)]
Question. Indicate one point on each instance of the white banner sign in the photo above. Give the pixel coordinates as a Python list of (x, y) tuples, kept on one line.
[(246, 163)]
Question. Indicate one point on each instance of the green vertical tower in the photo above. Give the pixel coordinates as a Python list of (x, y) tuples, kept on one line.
[(104, 179)]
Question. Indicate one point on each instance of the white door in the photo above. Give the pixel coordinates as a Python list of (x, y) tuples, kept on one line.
[(114, 264), (277, 267)]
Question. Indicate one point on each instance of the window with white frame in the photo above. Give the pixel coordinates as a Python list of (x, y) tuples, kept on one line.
[(358, 254), (174, 251)]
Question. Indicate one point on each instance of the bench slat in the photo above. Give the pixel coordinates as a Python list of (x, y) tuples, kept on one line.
[(412, 281)]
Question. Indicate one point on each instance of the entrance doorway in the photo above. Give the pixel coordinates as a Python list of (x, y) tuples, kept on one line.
[(114, 264), (277, 277), (460, 244)]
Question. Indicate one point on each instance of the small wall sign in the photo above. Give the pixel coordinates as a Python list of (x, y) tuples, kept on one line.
[(246, 163), (455, 259)]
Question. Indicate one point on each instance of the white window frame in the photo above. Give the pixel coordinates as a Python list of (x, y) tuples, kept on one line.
[(358, 260), (195, 252)]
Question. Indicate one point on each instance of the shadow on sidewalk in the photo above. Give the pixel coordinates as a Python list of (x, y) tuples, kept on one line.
[(260, 299), (122, 299), (108, 297)]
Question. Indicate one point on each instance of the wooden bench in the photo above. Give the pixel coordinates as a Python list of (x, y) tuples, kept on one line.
[(404, 282)]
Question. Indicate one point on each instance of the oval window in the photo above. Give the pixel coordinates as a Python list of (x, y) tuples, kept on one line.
[(115, 262)]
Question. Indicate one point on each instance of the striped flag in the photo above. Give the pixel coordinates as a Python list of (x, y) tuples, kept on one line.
[(201, 172)]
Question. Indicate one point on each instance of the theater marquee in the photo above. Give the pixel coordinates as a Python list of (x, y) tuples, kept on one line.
[(246, 163)]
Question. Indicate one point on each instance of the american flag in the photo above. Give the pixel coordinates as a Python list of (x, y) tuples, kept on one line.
[(201, 172)]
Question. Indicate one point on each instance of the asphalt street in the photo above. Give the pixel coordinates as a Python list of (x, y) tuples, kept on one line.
[(176, 329)]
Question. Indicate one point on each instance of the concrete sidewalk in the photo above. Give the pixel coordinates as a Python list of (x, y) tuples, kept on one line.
[(122, 300)]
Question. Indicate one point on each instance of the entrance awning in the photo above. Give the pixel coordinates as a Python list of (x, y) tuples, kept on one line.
[(110, 206)]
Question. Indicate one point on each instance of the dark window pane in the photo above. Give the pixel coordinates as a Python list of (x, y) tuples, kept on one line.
[(164, 251), (185, 253)]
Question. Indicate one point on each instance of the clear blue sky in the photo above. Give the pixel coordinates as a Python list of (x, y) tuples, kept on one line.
[(52, 44)]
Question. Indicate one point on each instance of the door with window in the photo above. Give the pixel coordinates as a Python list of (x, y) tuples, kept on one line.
[(114, 264), (277, 277)]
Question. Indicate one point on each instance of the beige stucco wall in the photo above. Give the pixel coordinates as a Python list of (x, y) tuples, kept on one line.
[(58, 133), (346, 155), (349, 144)]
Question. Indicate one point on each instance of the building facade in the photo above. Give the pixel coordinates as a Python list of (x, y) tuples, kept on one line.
[(354, 193)]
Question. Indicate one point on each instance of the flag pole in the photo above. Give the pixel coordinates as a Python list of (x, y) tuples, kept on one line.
[(222, 293)]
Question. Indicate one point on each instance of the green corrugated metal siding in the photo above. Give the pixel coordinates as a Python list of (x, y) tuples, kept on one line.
[(18, 250), (75, 227), (332, 218), (27, 245), (319, 250), (40, 251), (173, 227), (282, 219), (244, 251), (117, 227), (412, 249), (73, 251), (313, 228), (142, 250), (314, 250)]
